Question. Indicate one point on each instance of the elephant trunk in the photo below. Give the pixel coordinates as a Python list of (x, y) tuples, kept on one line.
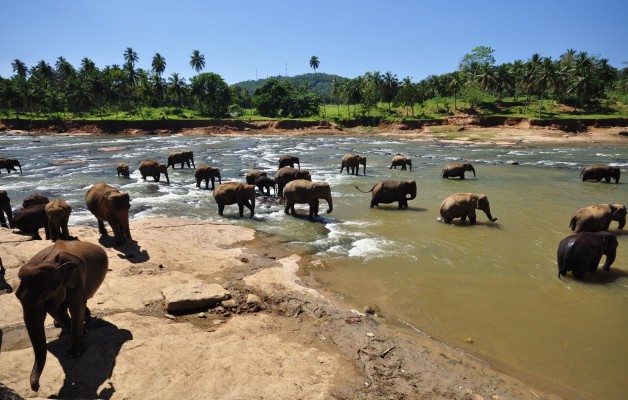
[(410, 164), (7, 210), (472, 170), (330, 203), (252, 204), (18, 164), (622, 222), (610, 259), (166, 173), (34, 321), (487, 211), (298, 163)]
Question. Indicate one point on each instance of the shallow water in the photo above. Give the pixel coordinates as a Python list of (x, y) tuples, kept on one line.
[(494, 283)]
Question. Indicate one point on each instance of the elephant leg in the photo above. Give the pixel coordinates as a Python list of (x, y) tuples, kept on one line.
[(241, 208), (62, 318), (47, 231), (101, 227), (54, 231), (595, 262), (373, 203), (77, 312), (65, 232), (287, 207), (198, 183), (221, 208)]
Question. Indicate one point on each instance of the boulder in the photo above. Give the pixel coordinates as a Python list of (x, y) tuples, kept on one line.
[(191, 296)]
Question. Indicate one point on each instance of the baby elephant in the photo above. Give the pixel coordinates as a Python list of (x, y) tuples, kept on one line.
[(205, 172), (392, 190), (598, 217), (123, 169), (30, 219), (583, 251), (458, 170), (302, 191), (58, 212), (235, 193), (463, 205), (401, 161)]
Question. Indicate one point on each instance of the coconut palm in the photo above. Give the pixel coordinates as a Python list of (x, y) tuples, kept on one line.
[(19, 68), (159, 64), (176, 86), (314, 63), (545, 79), (389, 87), (130, 57), (197, 61)]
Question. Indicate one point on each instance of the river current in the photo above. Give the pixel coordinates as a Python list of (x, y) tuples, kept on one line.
[(490, 289)]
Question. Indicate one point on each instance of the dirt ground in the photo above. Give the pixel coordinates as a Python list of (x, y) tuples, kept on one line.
[(278, 339)]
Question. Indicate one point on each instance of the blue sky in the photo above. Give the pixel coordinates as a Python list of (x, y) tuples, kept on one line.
[(244, 39)]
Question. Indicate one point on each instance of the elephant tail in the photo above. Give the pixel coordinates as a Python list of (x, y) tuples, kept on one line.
[(572, 223), (366, 191)]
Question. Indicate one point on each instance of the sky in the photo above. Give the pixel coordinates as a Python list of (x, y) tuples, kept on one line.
[(247, 40)]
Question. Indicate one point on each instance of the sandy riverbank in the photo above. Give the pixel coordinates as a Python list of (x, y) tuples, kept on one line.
[(278, 340)]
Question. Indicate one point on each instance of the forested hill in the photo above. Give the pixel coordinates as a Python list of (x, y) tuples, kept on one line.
[(319, 82)]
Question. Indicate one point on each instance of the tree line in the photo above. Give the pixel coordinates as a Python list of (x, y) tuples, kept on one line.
[(575, 78)]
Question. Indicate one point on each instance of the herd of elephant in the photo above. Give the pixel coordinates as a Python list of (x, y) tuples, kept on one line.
[(62, 277)]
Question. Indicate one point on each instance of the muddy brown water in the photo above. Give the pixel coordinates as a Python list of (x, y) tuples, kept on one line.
[(490, 289)]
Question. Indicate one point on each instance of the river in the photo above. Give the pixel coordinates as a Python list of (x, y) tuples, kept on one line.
[(489, 289)]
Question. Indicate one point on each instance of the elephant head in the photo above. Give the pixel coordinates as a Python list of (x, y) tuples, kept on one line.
[(34, 199), (614, 172), (162, 168), (303, 174), (619, 214), (609, 245), (322, 191), (361, 160), (57, 278), (469, 167), (483, 205), (409, 189)]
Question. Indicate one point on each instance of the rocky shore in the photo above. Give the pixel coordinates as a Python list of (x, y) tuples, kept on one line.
[(260, 332)]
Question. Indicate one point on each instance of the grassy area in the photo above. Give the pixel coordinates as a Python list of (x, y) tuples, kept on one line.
[(431, 109)]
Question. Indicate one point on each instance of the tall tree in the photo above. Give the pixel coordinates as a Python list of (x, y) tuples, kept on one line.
[(19, 68), (158, 64), (314, 63), (197, 61), (176, 86), (130, 57), (545, 79)]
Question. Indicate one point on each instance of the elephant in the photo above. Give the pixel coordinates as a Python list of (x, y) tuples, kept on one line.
[(583, 251), (34, 199), (303, 191), (289, 161), (353, 161), (599, 172), (9, 164), (5, 287), (182, 157), (58, 212), (390, 191), (598, 217), (59, 278), (253, 174), (287, 174), (458, 170), (109, 204), (5, 208), (463, 205), (264, 182), (205, 172), (235, 193), (401, 161), (154, 169), (123, 169), (30, 219)]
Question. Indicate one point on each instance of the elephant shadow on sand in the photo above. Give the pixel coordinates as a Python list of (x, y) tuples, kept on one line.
[(85, 374), (130, 251)]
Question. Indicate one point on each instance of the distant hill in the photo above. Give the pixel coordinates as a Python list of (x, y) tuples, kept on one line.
[(319, 82)]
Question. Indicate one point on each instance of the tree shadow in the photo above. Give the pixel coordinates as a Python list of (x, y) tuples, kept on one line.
[(85, 374)]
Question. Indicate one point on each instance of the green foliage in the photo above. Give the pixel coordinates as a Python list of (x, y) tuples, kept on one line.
[(481, 55), (212, 94), (279, 99)]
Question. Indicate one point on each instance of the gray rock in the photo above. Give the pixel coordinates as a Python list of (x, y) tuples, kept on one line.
[(229, 304), (253, 299), (196, 295)]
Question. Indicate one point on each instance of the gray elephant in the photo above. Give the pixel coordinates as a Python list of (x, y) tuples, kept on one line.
[(34, 199), (59, 278), (401, 161), (353, 161), (109, 204), (253, 174), (599, 172), (598, 217), (392, 190), (302, 191), (30, 219), (123, 169), (583, 251), (452, 170), (154, 169), (235, 193), (181, 157), (205, 172), (9, 164), (289, 161), (58, 212), (463, 205), (266, 182), (287, 174), (5, 208)]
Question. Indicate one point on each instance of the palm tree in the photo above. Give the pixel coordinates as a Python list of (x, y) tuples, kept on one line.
[(159, 64), (456, 82), (389, 87), (197, 61), (336, 92), (19, 68), (176, 86), (130, 57), (545, 79), (314, 63)]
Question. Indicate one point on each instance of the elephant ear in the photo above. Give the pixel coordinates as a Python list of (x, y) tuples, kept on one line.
[(70, 274)]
